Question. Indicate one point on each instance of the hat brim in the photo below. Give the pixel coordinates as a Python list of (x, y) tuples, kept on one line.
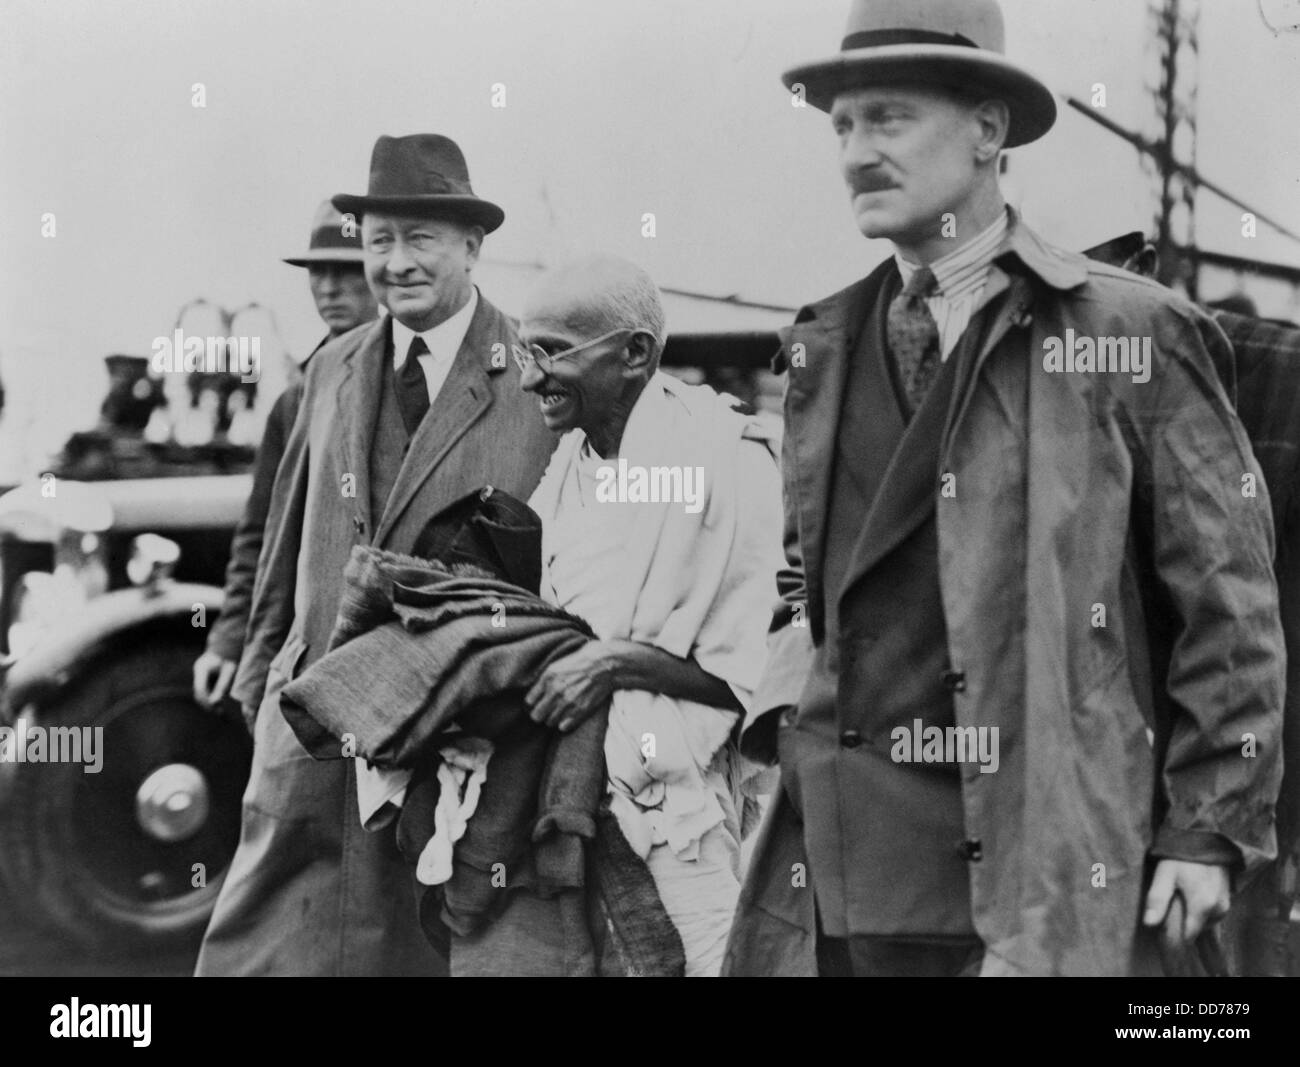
[(470, 209), (327, 255), (967, 70)]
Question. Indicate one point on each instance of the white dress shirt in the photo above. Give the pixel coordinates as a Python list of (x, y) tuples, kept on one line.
[(443, 341), (960, 278)]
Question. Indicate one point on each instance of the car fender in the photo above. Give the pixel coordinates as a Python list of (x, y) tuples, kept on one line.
[(108, 621)]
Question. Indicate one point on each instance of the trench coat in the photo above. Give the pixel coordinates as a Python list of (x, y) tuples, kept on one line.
[(309, 891), (1155, 733)]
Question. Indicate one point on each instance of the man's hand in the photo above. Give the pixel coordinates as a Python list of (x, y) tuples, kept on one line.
[(1206, 890), (573, 688), (212, 678)]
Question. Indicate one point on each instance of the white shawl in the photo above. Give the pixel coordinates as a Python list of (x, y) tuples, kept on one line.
[(696, 585)]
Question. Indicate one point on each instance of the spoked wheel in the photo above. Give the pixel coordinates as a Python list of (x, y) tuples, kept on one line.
[(132, 856)]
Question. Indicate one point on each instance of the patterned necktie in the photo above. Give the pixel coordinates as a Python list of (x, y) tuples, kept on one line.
[(412, 386), (913, 336)]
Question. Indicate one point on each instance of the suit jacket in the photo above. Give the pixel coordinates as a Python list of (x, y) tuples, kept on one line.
[(1070, 490), (309, 891)]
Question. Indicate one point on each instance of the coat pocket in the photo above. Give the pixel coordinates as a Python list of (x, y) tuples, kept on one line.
[(286, 782)]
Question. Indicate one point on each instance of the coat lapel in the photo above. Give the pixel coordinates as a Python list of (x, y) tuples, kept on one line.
[(465, 395), (1014, 311), (357, 405), (817, 350), (905, 495), (907, 492)]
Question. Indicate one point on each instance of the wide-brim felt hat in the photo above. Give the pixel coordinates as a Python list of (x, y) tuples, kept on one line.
[(334, 239), (423, 175), (952, 44)]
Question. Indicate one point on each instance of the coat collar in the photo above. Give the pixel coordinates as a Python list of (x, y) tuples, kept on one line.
[(1054, 267), (465, 395), (356, 404), (815, 353), (816, 350), (1022, 252)]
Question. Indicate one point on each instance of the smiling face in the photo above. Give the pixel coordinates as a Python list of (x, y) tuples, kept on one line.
[(911, 154), (583, 391), (343, 297), (601, 299), (419, 269)]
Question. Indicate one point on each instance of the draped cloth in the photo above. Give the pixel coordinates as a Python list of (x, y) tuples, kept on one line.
[(695, 581)]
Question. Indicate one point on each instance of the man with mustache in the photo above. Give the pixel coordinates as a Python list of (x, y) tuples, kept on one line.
[(1055, 568), (344, 301), (397, 421)]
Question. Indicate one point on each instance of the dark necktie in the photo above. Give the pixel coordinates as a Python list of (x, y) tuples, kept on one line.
[(412, 386), (913, 336)]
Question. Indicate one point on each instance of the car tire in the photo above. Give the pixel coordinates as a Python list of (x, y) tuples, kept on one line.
[(130, 858)]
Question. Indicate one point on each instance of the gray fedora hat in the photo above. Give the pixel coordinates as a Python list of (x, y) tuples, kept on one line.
[(424, 174), (956, 44), (334, 239)]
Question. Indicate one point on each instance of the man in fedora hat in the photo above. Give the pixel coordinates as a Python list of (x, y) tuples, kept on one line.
[(1026, 678), (344, 301), (397, 420)]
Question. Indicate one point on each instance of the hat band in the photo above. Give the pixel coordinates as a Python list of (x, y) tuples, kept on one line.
[(332, 237), (882, 38), (402, 185)]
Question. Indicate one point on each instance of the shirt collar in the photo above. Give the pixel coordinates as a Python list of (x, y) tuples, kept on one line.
[(1053, 266), (444, 340), (963, 270)]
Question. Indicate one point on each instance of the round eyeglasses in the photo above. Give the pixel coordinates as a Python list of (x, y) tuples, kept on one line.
[(536, 355)]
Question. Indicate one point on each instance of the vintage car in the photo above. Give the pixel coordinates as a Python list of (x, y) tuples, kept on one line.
[(106, 589)]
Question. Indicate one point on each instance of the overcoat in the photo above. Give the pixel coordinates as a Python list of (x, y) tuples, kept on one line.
[(1105, 550), (309, 890)]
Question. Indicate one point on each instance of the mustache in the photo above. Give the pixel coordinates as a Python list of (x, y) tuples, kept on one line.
[(870, 181)]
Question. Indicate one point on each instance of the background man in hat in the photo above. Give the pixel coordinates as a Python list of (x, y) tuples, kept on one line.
[(397, 420), (1060, 568), (338, 285)]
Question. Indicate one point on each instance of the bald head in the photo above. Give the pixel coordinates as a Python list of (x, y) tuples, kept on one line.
[(598, 294), (595, 329)]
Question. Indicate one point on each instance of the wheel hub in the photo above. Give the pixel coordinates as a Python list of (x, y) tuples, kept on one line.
[(172, 803)]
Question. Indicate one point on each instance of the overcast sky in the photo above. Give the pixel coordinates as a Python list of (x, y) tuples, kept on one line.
[(614, 108)]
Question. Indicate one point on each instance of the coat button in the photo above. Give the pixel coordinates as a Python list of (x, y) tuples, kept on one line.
[(954, 681), (358, 524), (850, 739), (972, 849)]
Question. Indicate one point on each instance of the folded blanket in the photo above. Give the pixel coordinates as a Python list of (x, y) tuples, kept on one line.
[(419, 650), (390, 686)]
